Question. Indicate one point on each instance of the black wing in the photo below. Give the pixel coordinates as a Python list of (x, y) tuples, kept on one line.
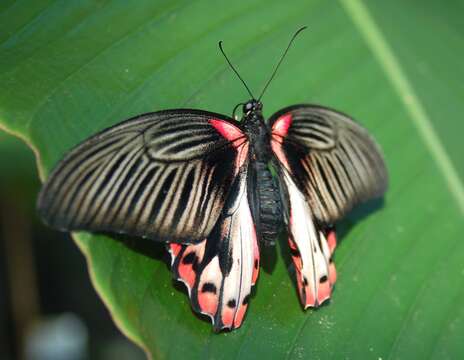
[(162, 175), (333, 160)]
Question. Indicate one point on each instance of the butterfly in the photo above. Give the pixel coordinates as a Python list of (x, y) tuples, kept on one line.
[(201, 182)]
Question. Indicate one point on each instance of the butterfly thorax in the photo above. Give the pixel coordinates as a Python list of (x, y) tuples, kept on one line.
[(265, 199)]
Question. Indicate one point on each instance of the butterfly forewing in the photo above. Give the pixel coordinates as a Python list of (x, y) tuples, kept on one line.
[(163, 175), (333, 160)]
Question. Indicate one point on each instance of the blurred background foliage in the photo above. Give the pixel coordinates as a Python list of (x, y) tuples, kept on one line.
[(68, 69)]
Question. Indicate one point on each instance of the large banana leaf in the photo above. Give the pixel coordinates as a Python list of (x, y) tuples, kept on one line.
[(68, 69)]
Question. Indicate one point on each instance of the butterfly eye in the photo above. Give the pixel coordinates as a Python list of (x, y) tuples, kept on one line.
[(247, 107)]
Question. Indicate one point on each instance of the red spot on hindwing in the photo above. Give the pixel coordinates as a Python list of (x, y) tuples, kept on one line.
[(175, 249), (186, 274), (208, 303), (332, 274), (332, 241), (227, 316), (323, 292), (240, 315), (189, 255)]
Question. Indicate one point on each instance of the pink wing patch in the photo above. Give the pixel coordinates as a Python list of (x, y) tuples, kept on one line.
[(281, 125), (332, 243), (220, 271), (227, 129), (236, 136), (187, 259), (279, 131)]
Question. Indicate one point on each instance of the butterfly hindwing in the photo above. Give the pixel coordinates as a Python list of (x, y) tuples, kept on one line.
[(327, 164), (163, 175), (311, 248), (220, 271)]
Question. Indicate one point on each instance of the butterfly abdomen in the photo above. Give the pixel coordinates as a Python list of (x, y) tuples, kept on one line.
[(270, 209)]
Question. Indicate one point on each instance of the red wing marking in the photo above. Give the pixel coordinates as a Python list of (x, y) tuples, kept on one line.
[(235, 136), (240, 315), (279, 131), (323, 292), (281, 125), (228, 317), (332, 244), (332, 274), (222, 291), (226, 129), (332, 241), (189, 257), (208, 303), (174, 249)]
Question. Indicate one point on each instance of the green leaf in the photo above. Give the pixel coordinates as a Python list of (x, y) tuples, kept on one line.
[(69, 69)]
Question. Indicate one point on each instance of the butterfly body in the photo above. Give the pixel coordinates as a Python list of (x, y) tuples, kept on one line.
[(267, 200), (264, 195)]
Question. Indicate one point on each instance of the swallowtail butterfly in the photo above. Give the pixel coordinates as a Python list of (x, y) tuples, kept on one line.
[(201, 182)]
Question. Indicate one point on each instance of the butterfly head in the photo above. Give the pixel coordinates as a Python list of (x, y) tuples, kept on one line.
[(252, 106)]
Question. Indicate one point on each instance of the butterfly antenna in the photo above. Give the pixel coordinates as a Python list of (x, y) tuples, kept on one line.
[(281, 59), (235, 71)]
